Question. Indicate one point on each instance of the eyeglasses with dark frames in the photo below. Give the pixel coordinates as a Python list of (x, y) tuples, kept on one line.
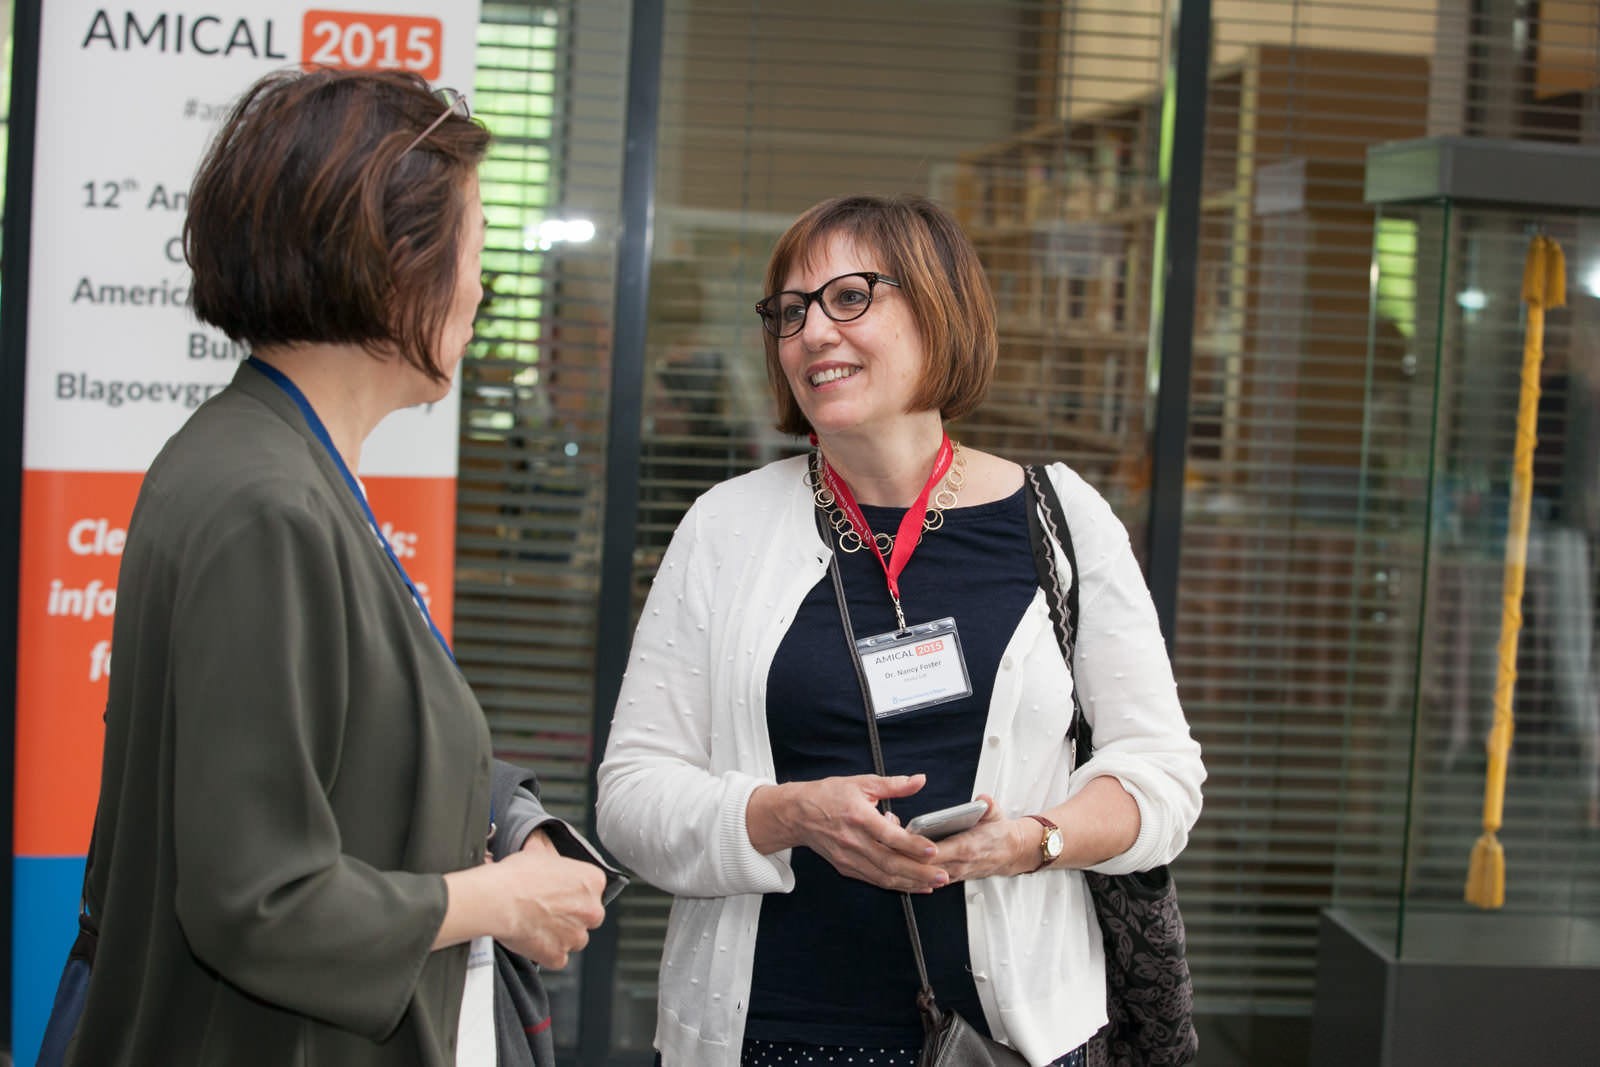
[(843, 299), (454, 104)]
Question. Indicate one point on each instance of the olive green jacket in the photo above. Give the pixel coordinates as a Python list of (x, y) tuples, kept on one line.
[(291, 763)]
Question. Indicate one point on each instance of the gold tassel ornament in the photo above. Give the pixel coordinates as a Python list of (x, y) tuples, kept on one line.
[(1544, 286)]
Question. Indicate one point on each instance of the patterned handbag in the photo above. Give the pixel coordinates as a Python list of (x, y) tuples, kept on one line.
[(1149, 994)]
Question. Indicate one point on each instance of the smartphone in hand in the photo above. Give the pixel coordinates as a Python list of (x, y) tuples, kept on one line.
[(946, 821)]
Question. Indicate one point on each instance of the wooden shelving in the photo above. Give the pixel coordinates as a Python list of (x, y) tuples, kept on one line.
[(1064, 215)]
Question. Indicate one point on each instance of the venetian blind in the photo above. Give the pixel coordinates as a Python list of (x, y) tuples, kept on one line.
[(1336, 662), (534, 396), (1298, 92)]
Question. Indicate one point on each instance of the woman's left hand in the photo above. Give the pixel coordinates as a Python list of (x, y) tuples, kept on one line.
[(996, 846)]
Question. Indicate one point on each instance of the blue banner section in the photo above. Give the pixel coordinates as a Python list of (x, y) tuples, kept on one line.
[(44, 925)]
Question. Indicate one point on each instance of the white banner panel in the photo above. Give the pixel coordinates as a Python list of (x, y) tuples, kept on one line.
[(129, 97)]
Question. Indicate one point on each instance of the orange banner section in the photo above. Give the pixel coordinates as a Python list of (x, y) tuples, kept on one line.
[(418, 516), (73, 528), (371, 41)]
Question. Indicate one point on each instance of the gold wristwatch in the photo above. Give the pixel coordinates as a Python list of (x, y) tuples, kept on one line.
[(1050, 844)]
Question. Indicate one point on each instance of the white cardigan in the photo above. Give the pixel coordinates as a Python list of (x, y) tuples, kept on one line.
[(689, 744)]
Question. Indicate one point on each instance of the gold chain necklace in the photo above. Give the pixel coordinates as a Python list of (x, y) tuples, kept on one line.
[(850, 539)]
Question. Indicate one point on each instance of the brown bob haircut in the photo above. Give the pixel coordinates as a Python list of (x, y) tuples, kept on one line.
[(923, 248), (310, 220)]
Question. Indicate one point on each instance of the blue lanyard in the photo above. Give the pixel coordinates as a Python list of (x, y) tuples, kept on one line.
[(278, 378)]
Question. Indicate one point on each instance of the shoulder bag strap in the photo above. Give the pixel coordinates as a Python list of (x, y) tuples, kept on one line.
[(926, 994), (1047, 526)]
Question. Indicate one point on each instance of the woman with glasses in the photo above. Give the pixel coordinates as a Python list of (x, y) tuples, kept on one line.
[(295, 860), (739, 774)]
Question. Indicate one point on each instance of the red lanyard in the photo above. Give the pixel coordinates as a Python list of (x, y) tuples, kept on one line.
[(905, 541)]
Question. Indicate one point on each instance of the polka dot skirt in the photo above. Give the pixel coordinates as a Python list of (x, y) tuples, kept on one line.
[(785, 1054), (791, 1054)]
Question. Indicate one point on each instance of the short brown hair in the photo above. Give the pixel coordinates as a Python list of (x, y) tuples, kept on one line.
[(312, 221), (925, 250)]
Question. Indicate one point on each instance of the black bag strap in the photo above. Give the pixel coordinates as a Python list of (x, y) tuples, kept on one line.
[(1047, 527), (925, 999), (88, 939)]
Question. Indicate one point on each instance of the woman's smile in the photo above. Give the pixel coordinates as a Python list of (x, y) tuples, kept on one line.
[(819, 378)]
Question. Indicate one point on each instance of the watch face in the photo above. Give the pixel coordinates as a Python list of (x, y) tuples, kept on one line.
[(1052, 843)]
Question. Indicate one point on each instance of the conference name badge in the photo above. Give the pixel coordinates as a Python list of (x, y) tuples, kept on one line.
[(914, 668)]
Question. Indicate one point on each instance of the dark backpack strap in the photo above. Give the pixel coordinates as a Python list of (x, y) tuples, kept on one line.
[(1047, 528)]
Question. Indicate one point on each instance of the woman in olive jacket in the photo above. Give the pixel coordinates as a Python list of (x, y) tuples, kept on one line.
[(289, 860)]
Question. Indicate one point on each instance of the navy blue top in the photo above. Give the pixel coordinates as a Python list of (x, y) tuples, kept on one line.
[(833, 961)]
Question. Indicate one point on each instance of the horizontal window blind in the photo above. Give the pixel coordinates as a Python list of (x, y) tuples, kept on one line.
[(534, 396), (1263, 656), (1064, 214), (1334, 654)]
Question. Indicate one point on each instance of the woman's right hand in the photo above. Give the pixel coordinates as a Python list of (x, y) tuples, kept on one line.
[(838, 818), (535, 902)]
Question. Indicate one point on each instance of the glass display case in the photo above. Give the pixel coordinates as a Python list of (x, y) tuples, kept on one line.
[(1475, 599)]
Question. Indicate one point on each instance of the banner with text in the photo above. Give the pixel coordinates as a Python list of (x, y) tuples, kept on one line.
[(128, 99)]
